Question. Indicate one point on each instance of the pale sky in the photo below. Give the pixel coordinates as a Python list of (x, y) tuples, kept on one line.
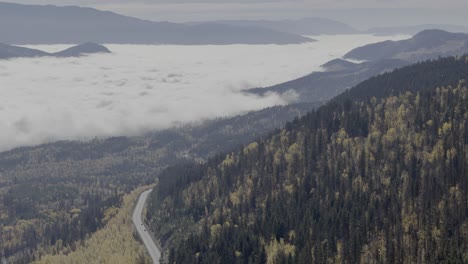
[(359, 13)]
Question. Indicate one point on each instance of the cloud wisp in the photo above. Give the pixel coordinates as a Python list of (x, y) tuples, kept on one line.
[(142, 88)]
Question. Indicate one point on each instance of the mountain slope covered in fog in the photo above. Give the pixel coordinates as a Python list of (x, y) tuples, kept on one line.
[(426, 44), (381, 57)]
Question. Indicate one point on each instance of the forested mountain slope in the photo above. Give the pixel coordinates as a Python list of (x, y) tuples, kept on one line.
[(414, 78), (54, 195), (370, 180)]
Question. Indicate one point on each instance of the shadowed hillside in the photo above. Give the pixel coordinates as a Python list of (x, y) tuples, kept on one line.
[(378, 177)]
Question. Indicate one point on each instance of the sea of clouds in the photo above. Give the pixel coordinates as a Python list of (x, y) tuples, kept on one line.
[(141, 88)]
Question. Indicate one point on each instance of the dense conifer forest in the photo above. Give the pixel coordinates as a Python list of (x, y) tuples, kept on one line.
[(378, 177), (377, 169), (54, 196), (116, 243)]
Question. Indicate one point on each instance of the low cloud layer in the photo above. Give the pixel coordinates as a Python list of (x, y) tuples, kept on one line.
[(143, 88)]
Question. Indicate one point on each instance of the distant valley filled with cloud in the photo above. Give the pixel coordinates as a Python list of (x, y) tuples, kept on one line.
[(141, 88)]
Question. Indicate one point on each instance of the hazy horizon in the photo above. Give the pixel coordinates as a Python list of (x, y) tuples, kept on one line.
[(362, 14)]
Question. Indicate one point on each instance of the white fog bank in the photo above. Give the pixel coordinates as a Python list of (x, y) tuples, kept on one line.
[(141, 88)]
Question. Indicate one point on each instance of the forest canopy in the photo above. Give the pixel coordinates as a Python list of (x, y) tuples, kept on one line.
[(377, 179)]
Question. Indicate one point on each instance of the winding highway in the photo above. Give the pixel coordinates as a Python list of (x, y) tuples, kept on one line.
[(143, 231)]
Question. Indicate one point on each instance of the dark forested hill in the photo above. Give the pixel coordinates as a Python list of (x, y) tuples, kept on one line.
[(10, 51), (379, 177), (418, 77), (53, 196)]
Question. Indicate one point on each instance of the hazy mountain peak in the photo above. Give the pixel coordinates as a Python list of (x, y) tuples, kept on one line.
[(10, 51), (85, 48), (431, 33), (338, 65), (436, 34), (413, 30), (424, 45)]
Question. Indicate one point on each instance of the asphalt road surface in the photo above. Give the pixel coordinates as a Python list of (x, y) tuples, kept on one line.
[(143, 231)]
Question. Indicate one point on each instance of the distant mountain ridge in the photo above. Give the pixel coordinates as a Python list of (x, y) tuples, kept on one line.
[(425, 45), (305, 26), (10, 51), (341, 74), (311, 26), (322, 86), (412, 30), (38, 24)]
